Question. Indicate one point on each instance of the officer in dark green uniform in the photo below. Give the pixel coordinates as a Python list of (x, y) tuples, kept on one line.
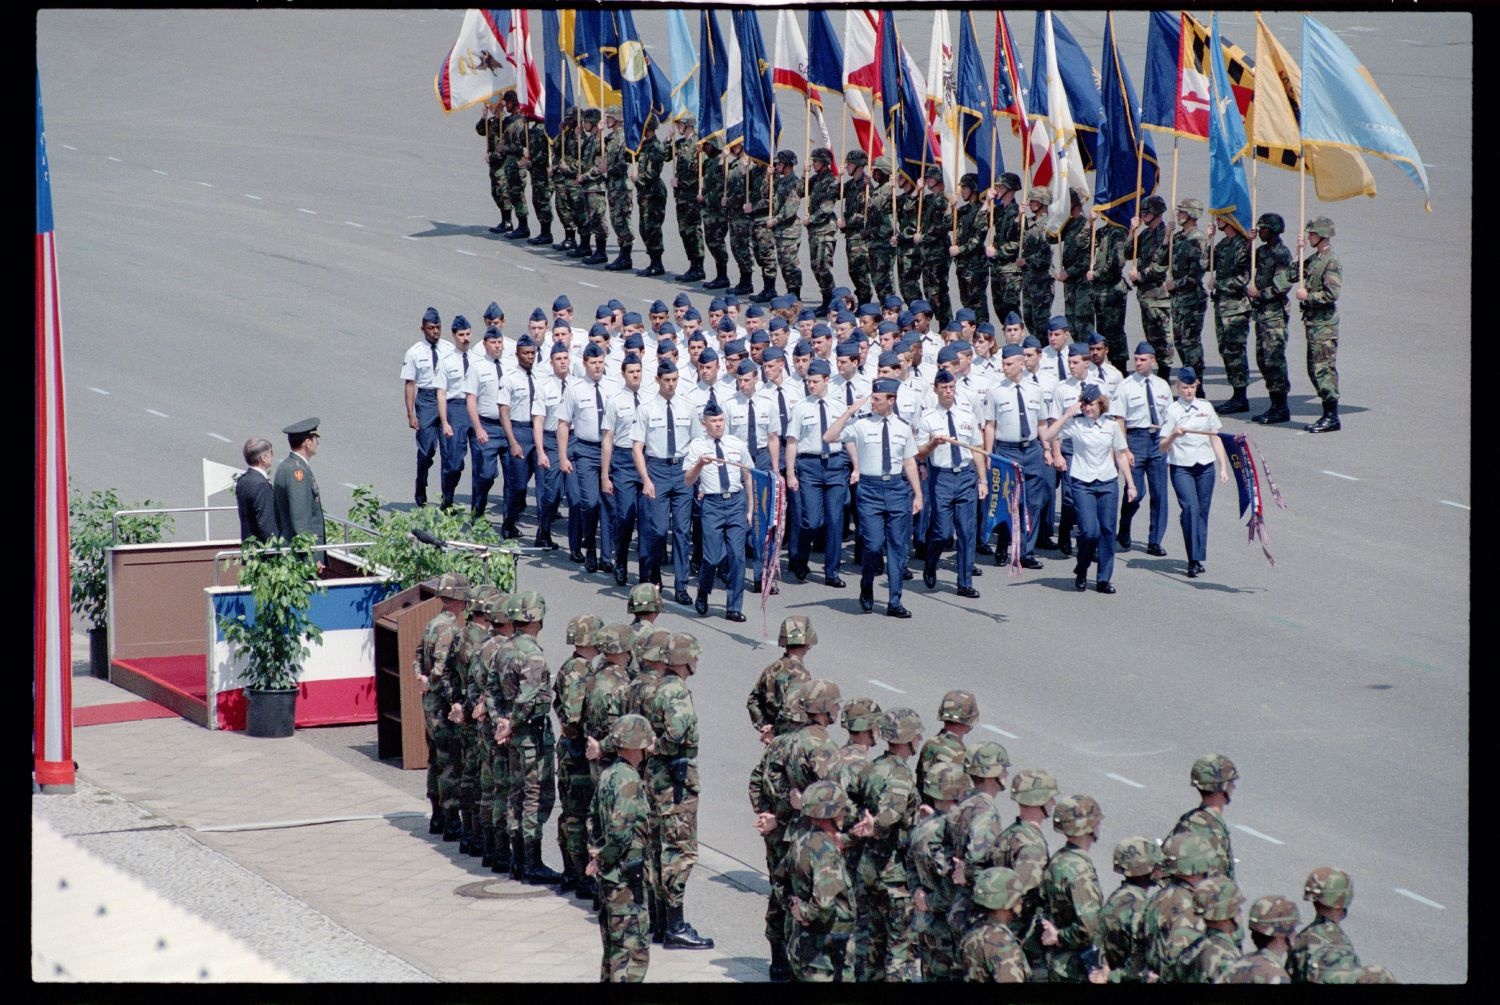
[(855, 187), (822, 233), (738, 202), (908, 248), (564, 188), (590, 178), (1271, 283), (715, 215), (299, 507), (1150, 276), (935, 237), (1232, 310), (1004, 249), (1077, 240), (1107, 278), (1189, 302), (1318, 297), (536, 160), (617, 189), (488, 126), (880, 229), (513, 132), (1036, 263)]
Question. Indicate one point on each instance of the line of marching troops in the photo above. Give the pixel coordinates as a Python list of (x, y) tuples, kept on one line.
[(884, 872)]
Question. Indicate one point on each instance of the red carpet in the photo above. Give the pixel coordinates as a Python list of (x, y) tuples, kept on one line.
[(178, 683), (120, 711)]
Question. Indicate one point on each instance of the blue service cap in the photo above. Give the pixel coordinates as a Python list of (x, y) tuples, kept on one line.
[(1011, 349), (596, 330), (986, 328), (632, 318), (537, 314), (943, 377), (802, 348), (893, 303), (762, 337), (1089, 393), (889, 358), (820, 330), (920, 307), (746, 366), (1012, 318), (665, 366), (780, 303), (1031, 342), (562, 303), (868, 311), (691, 314), (964, 314), (736, 347), (631, 359), (708, 356), (1187, 375), (602, 311), (635, 341), (906, 319), (711, 409), (1077, 349), (492, 332), (615, 305), (524, 342), (658, 307), (726, 324), (460, 322), (953, 326), (847, 350), (494, 313), (698, 336), (807, 314), (778, 323), (593, 350), (843, 317), (887, 327), (561, 324), (840, 291), (859, 338), (885, 385), (1095, 338), (819, 367), (666, 328), (430, 317), (682, 300), (716, 304), (1057, 322), (947, 354), (771, 354), (558, 348), (730, 300), (755, 311), (665, 345), (1144, 349), (963, 345)]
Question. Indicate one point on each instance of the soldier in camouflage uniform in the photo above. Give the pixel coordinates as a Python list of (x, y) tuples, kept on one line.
[(1070, 890), (617, 848), (1227, 282), (1139, 860), (985, 766), (1022, 847), (564, 188), (740, 202), (820, 907), (1218, 901), (761, 199), (908, 240), (484, 699), (989, 952), (769, 695), (651, 196), (1036, 263), (488, 126), (525, 729), (936, 239), (887, 799), (1331, 892), (957, 713), (784, 229), (617, 190), (1078, 294), (1004, 249), (513, 130), (574, 782), (855, 187), (1170, 924), (822, 229), (716, 214), (1213, 775), (590, 179), (1274, 276), (476, 631), (1272, 922), (1329, 965), (932, 871), (1150, 275), (536, 160), (1106, 276), (685, 157), (672, 781), (1322, 278), (880, 229), (604, 700), (643, 604), (967, 249), (1185, 284), (647, 667), (437, 677)]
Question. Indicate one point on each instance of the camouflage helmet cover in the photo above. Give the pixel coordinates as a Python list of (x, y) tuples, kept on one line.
[(1010, 180), (1218, 898), (883, 164), (1033, 787), (1328, 886), (900, 725), (1273, 916), (644, 597), (987, 760), (945, 780), (1154, 204), (998, 888), (1272, 222), (582, 628), (859, 715), (824, 799), (613, 639), (651, 647), (858, 158), (631, 732), (970, 181), (1320, 225), (1192, 207), (1076, 815), (797, 630), (497, 608), (1137, 856), (682, 650), (1213, 773), (959, 706), (1187, 854), (821, 154), (527, 606), (820, 697), (786, 157), (1038, 193), (452, 586), (477, 596)]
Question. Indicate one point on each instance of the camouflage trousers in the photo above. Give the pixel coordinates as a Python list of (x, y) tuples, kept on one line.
[(497, 188), (1322, 355), (1156, 325), (1187, 328), (861, 274), (626, 936), (788, 247), (533, 784), (882, 268), (589, 214), (619, 215), (515, 185), (1270, 347), (444, 755), (564, 199), (484, 752), (820, 248), (973, 279), (468, 789), (1036, 305), (1005, 294), (777, 917), (653, 211), (937, 267), (690, 226), (716, 236), (741, 244), (575, 789), (1078, 305), (1109, 321), (541, 200), (937, 945), (807, 951), (763, 243), (887, 942), (677, 824), (500, 783), (1232, 326), (909, 273), (1065, 966)]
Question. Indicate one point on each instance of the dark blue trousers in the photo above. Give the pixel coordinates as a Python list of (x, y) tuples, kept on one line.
[(955, 501), (1150, 461), (1096, 504), (885, 529), (1194, 487), (724, 526)]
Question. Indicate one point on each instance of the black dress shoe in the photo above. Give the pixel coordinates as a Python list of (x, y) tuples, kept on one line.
[(1105, 587), (929, 578), (735, 616), (1081, 583), (1192, 570), (835, 582), (897, 611), (509, 530), (800, 572), (775, 590), (984, 549), (1122, 542), (1002, 557), (622, 574), (1046, 543), (701, 604), (756, 586), (1157, 550), (576, 557), (605, 565), (591, 564), (1031, 562), (682, 597), (968, 592), (977, 571), (1065, 548), (866, 598)]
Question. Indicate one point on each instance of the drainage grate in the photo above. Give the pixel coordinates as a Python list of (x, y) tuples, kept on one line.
[(500, 889)]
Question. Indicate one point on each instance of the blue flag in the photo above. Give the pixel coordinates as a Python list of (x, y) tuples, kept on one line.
[(1228, 189), (714, 70), (1123, 148), (1342, 106), (630, 72), (755, 83), (976, 124), (825, 56), (1159, 86), (1078, 80), (905, 122), (558, 82), (1006, 502), (684, 65)]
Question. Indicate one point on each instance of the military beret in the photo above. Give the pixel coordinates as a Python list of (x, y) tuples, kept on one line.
[(1031, 342), (681, 300), (1012, 318), (716, 304), (708, 356), (773, 353), (597, 330), (755, 311), (525, 342), (593, 351), (746, 366), (885, 385), (602, 311), (615, 305), (1095, 338), (493, 311), (493, 332), (635, 341), (735, 347), (632, 318), (964, 314), (302, 428), (711, 409), (1144, 349), (920, 307), (726, 324), (665, 366), (691, 314), (430, 317), (1057, 322), (1008, 351), (1089, 393), (558, 348), (840, 291), (819, 367), (1077, 349), (659, 307), (947, 354), (807, 314), (889, 359), (537, 314), (944, 377), (762, 337), (1187, 375), (802, 348), (460, 322), (847, 350), (777, 324), (893, 303)]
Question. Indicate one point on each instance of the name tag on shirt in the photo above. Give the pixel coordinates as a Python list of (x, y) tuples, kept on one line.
[(657, 421)]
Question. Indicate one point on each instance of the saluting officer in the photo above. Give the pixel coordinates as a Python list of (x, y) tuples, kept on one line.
[(959, 480), (724, 493), (659, 440)]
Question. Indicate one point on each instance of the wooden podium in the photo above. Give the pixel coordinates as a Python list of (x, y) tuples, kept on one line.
[(400, 620)]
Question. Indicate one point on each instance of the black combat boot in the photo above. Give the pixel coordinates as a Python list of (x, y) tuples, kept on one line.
[(1278, 412), (453, 825), (1237, 403), (585, 888), (517, 856), (598, 257), (537, 872), (1329, 423), (567, 243), (781, 969), (681, 935), (623, 262), (435, 824), (766, 294), (569, 873), (745, 285), (654, 919), (720, 280), (503, 227), (581, 248), (521, 229), (693, 274), (466, 841), (500, 860), (653, 267), (488, 832), (545, 237)]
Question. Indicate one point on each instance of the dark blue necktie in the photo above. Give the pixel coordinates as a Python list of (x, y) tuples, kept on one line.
[(599, 404), (1021, 410), (750, 425), (433, 347), (671, 432), (466, 364), (1062, 368), (497, 371), (723, 468), (713, 399), (885, 445), (848, 392), (953, 432), (530, 392), (781, 406), (1151, 402), (823, 426)]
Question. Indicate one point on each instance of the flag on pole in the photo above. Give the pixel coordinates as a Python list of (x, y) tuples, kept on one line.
[(1342, 107), (755, 84), (631, 73), (719, 95), (862, 78), (1006, 503), (767, 526), (684, 65), (530, 94), (791, 72), (1010, 101), (1174, 95), (825, 68), (476, 67), (557, 80), (1247, 479), (901, 86), (1080, 84), (1228, 187), (1067, 160), (941, 101), (977, 122), (1120, 140), (52, 650), (590, 32)]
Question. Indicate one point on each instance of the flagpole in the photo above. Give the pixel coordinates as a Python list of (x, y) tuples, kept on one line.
[(843, 145), (771, 164), (994, 135), (1140, 164), (1302, 212), (895, 220), (806, 146), (1174, 202)]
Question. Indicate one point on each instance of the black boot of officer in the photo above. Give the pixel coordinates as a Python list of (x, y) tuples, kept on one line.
[(1278, 412), (1329, 423), (681, 935), (537, 872), (500, 858), (1237, 403), (436, 824), (621, 263)]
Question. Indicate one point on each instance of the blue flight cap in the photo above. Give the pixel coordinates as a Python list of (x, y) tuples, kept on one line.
[(762, 337), (562, 303), (631, 318), (781, 303), (847, 350), (1012, 318), (807, 314), (746, 366), (667, 328), (561, 324), (986, 327), (819, 367), (634, 341), (631, 359), (726, 324), (1077, 349), (840, 291), (682, 300), (430, 317), (698, 337), (1089, 393), (712, 409), (730, 300), (602, 312), (944, 377), (893, 303), (964, 314), (1057, 322), (773, 353), (1011, 350), (492, 332), (755, 311), (843, 317), (460, 322), (596, 330), (1095, 338), (889, 358), (885, 385), (953, 326), (557, 348), (906, 319), (736, 348), (716, 304), (963, 345), (887, 327), (593, 350), (920, 307), (494, 313), (665, 345), (691, 314), (524, 342), (947, 354), (868, 311), (658, 307), (1031, 342), (802, 348), (665, 366), (615, 305), (1144, 349), (708, 356), (537, 314), (1187, 375)]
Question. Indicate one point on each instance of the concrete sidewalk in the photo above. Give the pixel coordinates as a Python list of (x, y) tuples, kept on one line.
[(341, 842)]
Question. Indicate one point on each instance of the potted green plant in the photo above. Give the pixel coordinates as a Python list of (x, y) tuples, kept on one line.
[(273, 635), (92, 531), (408, 561)]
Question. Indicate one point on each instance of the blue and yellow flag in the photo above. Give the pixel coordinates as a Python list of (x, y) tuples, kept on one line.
[(583, 35), (558, 80), (905, 121), (1228, 188), (762, 132), (825, 56), (1125, 151), (976, 125), (1079, 79), (714, 66), (630, 71)]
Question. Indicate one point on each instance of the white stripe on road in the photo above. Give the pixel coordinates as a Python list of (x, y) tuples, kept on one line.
[(407, 237), (1122, 778), (351, 223), (997, 729), (309, 212), (592, 286), (66, 147), (221, 439), (160, 172), (1450, 502), (1418, 898), (647, 300), (115, 159), (162, 415), (255, 197), (98, 390), (205, 184), (881, 683), (350, 485), (1347, 478), (463, 252), (1255, 833), (525, 268)]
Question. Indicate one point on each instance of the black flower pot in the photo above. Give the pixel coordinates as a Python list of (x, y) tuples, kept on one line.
[(271, 713), (99, 652)]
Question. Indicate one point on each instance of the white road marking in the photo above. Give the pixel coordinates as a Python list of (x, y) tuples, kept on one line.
[(592, 286), (997, 729), (463, 252), (647, 300), (1124, 780), (160, 172), (1335, 474), (525, 268), (879, 683), (407, 237), (115, 159), (255, 197), (221, 439), (205, 184), (1449, 502), (1418, 898), (350, 485), (163, 415), (351, 223), (309, 212), (98, 390), (66, 147), (1255, 833)]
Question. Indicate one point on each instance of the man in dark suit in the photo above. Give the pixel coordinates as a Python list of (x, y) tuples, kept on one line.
[(299, 507), (254, 495)]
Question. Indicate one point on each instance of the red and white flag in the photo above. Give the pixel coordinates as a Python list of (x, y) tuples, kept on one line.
[(790, 71), (861, 76), (477, 67), (530, 93), (940, 102), (1192, 83), (1066, 159)]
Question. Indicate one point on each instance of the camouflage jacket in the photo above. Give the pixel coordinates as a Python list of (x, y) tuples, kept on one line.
[(1036, 252), (1110, 243), (768, 696), (1261, 967), (1151, 262), (436, 654), (943, 747), (1274, 273), (1170, 925), (1120, 937), (927, 856), (683, 152), (973, 230), (1320, 931), (569, 690), (1076, 238), (906, 219), (1071, 898), (735, 193), (604, 701), (714, 187), (484, 677), (1324, 279), (674, 719), (989, 953), (820, 879), (1215, 955), (1189, 263), (469, 643), (488, 126), (526, 687), (538, 150), (759, 191), (1231, 274), (878, 220), (1209, 824), (792, 761), (856, 204), (1007, 238), (617, 163), (848, 763), (590, 163), (936, 223), (822, 204), (565, 157), (617, 820), (649, 162), (786, 203), (513, 129), (888, 790), (642, 688)]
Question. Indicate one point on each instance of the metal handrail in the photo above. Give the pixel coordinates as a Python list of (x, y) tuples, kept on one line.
[(114, 528), (236, 553)]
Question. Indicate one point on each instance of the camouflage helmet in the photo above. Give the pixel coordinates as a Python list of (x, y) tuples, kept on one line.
[(1076, 816), (477, 596), (933, 173), (1273, 916), (1272, 222), (856, 158), (1192, 207), (497, 608), (998, 888), (821, 154), (1328, 886), (613, 639), (1187, 854), (1331, 964), (797, 630), (945, 780), (959, 706), (859, 715), (1032, 787), (820, 697), (1010, 180), (1320, 225), (631, 732), (1374, 973), (1213, 773), (1154, 204), (1137, 856), (582, 628), (824, 799), (1218, 898), (883, 164), (644, 597), (682, 650), (987, 760), (969, 181), (787, 157), (900, 725), (509, 94), (591, 116), (687, 119), (452, 586), (651, 647), (1038, 193), (527, 606)]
